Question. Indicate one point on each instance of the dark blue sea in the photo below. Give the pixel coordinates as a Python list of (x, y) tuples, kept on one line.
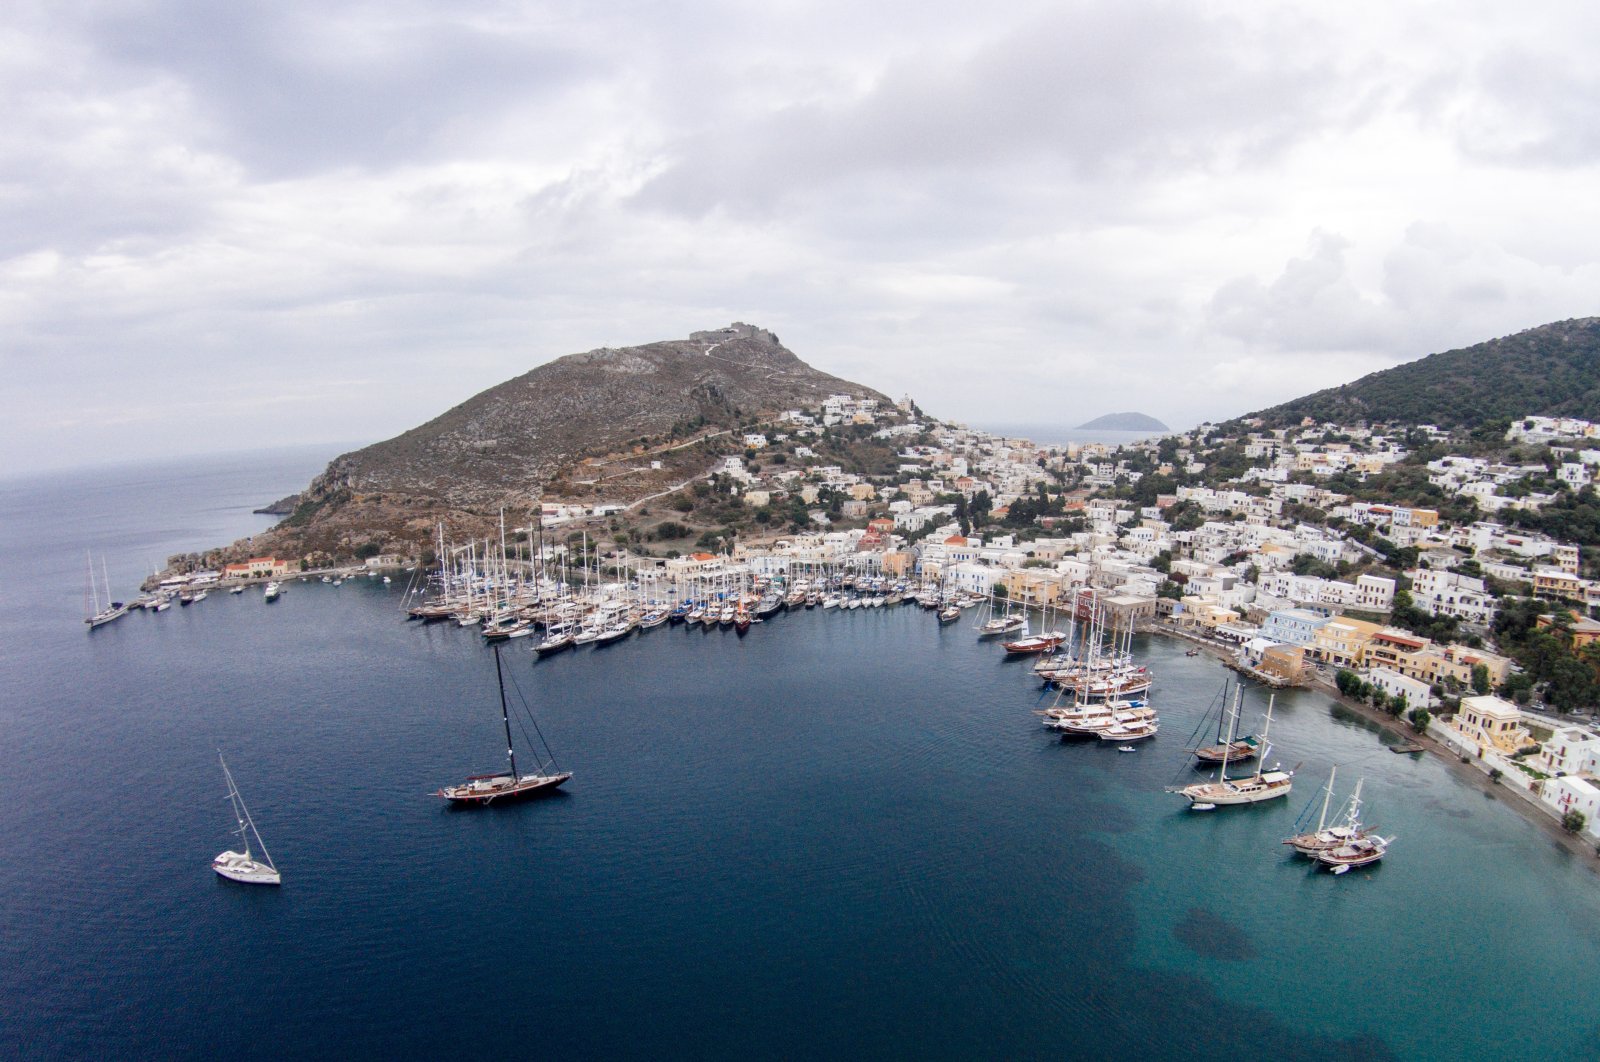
[(844, 835)]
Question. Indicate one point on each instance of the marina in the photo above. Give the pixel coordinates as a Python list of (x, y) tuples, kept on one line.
[(804, 799)]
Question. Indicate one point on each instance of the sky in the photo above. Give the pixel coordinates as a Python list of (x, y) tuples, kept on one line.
[(249, 224)]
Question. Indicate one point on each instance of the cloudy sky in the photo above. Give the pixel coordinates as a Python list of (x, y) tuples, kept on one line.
[(241, 224)]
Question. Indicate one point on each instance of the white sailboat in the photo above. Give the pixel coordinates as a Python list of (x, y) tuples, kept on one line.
[(1250, 789), (102, 613), (244, 866)]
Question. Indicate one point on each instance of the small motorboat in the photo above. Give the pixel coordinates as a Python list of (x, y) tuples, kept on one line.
[(1202, 807), (1127, 748)]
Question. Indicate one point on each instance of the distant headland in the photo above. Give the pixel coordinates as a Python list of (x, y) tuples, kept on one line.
[(1124, 422)]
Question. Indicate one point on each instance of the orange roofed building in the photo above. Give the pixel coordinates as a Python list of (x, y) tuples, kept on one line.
[(256, 568)]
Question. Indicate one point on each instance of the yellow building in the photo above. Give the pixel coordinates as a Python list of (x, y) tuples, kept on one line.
[(1553, 582), (1035, 586), (1491, 724), (1342, 641), (1395, 649), (1442, 662), (1286, 662), (1198, 612)]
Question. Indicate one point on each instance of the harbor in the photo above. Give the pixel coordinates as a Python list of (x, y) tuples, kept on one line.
[(862, 789), (535, 598)]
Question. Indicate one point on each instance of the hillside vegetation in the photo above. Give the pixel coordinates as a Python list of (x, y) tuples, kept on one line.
[(1552, 370)]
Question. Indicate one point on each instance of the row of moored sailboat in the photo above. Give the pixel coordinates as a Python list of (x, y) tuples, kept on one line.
[(1103, 694)]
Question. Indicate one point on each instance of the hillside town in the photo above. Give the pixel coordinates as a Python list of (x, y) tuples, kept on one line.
[(1408, 568), (1306, 553)]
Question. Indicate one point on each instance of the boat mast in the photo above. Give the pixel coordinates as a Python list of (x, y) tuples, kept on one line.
[(1353, 817), (247, 825), (505, 715), (1233, 727), (1266, 746), (233, 798), (1322, 820)]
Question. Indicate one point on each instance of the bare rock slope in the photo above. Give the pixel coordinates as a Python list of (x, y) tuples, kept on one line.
[(565, 425)]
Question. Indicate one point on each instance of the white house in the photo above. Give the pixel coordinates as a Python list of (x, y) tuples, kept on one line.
[(1574, 793), (1416, 692)]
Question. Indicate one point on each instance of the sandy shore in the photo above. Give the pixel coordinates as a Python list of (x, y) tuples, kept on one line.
[(1524, 803)]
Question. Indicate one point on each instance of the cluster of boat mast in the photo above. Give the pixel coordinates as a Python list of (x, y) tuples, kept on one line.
[(1102, 693), (507, 594)]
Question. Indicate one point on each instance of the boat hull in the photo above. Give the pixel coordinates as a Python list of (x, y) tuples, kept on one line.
[(1313, 844), (1363, 852), (1241, 750), (236, 866), (528, 785), (1251, 791)]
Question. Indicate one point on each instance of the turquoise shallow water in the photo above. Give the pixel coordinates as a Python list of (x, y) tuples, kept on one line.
[(843, 834)]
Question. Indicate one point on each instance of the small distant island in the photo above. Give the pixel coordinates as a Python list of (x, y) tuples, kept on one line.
[(1124, 422)]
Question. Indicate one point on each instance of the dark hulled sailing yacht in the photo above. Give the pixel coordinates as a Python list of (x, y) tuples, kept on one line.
[(512, 784)]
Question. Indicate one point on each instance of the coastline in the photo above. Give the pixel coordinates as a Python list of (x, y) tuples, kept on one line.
[(1524, 804)]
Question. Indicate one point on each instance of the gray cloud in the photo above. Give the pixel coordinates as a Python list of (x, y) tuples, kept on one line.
[(289, 89), (1105, 93), (244, 223)]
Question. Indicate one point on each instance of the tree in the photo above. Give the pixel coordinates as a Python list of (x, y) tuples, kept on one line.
[(1574, 821), (1420, 717), (1480, 679), (1348, 681)]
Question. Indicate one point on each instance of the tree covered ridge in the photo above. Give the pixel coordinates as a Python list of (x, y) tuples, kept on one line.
[(1552, 370)]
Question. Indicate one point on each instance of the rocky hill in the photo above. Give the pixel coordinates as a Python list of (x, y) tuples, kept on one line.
[(1552, 370), (515, 437), (614, 424)]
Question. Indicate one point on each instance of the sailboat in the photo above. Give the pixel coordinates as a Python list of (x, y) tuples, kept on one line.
[(244, 866), (1235, 750), (1361, 852), (510, 785), (1325, 838), (101, 614), (1250, 789)]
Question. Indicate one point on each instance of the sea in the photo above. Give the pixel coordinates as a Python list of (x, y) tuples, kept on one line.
[(844, 835), (1052, 434)]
